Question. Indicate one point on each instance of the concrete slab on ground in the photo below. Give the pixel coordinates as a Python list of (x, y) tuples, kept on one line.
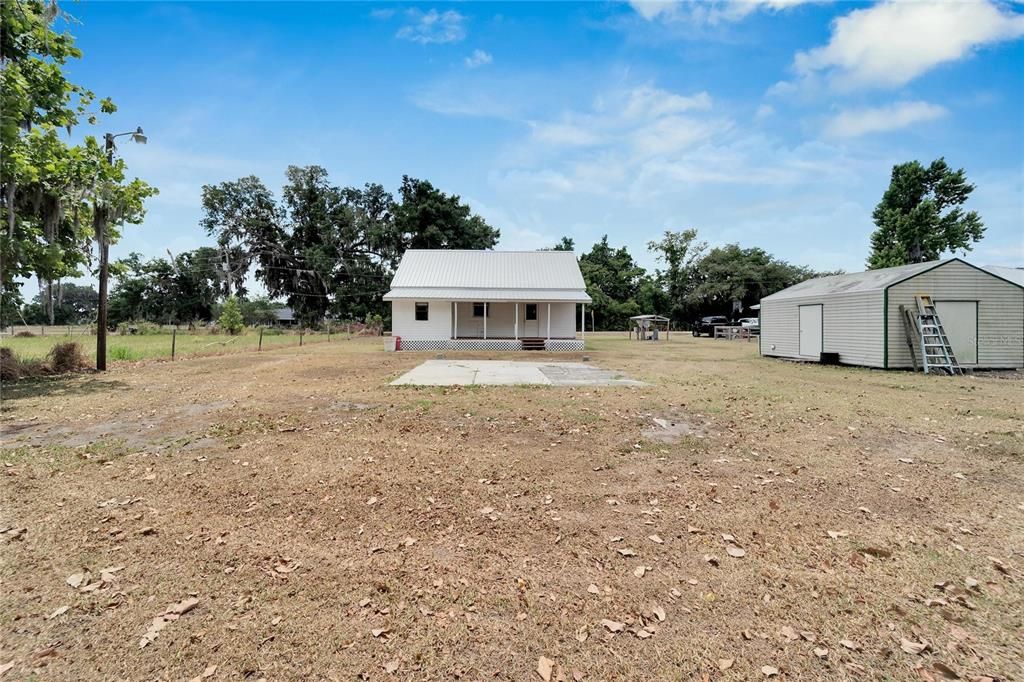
[(510, 373)]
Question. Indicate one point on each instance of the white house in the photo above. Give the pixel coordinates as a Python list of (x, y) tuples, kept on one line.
[(858, 316), (488, 300)]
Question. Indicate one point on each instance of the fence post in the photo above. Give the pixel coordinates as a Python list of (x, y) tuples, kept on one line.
[(42, 330), (328, 333), (174, 341), (300, 338), (69, 331), (260, 347)]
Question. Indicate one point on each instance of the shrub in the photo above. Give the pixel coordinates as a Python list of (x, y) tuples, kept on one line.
[(138, 328), (231, 317), (12, 368), (24, 335), (66, 357), (9, 366), (271, 331)]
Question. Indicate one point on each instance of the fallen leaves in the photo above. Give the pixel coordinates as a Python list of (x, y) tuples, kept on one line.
[(207, 673), (849, 644), (769, 670), (725, 663), (735, 552), (836, 534), (168, 616), (711, 559), (913, 648), (655, 539), (544, 668), (58, 612), (593, 589), (612, 625), (821, 652), (626, 552), (658, 613)]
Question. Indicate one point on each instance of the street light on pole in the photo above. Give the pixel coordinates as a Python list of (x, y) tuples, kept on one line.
[(104, 246)]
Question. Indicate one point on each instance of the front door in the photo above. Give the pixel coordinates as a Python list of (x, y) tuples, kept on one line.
[(531, 326), (810, 331), (960, 321)]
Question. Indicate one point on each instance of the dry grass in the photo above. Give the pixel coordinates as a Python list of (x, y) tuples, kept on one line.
[(307, 506)]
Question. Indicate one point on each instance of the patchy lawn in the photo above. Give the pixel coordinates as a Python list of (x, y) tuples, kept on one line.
[(288, 515)]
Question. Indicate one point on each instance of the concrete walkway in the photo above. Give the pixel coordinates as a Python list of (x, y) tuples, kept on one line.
[(510, 373)]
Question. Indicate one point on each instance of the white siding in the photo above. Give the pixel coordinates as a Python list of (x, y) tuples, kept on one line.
[(852, 327), (404, 323), (1000, 312), (501, 323)]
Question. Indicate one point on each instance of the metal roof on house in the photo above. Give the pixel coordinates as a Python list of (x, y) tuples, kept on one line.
[(488, 276), (872, 280)]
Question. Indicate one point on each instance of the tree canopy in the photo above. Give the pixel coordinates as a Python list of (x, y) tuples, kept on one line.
[(920, 215), (55, 197), (330, 250)]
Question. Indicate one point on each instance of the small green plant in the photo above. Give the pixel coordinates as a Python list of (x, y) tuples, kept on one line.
[(122, 353), (231, 317)]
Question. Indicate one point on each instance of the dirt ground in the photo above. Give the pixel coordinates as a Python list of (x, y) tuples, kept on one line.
[(288, 515)]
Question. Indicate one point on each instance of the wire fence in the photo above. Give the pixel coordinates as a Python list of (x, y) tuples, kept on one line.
[(35, 342)]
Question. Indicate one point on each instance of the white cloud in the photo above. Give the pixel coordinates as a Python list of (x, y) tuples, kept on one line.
[(764, 111), (650, 102), (708, 11), (652, 9), (433, 27), (564, 134), (857, 122), (478, 58), (891, 43)]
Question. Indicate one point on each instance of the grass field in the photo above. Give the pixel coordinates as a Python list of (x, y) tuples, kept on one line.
[(289, 515), (149, 346)]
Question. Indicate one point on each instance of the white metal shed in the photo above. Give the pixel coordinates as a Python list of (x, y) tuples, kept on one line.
[(858, 316)]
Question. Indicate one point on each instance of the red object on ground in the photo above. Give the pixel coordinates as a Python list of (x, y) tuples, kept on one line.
[(398, 343)]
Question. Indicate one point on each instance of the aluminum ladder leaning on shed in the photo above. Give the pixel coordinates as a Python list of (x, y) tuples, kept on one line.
[(936, 352)]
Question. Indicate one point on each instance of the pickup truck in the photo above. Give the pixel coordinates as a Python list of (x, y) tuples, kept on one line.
[(706, 325)]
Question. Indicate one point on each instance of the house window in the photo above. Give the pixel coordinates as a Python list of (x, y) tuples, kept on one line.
[(422, 312), (531, 311), (479, 308)]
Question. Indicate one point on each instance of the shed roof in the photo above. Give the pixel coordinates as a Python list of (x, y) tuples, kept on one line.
[(656, 318), (872, 280), (1015, 275), (488, 276)]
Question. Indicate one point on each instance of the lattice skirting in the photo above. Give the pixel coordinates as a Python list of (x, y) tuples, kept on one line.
[(564, 344), (489, 344)]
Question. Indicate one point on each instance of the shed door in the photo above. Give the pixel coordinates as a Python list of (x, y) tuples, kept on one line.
[(960, 320), (810, 331)]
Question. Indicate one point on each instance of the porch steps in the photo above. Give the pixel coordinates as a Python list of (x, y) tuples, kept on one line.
[(532, 343)]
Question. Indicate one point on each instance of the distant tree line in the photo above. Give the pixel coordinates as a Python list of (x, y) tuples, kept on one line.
[(329, 252), (693, 280)]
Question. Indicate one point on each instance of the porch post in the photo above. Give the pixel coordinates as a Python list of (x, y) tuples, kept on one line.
[(549, 321), (516, 326), (583, 320), (456, 304), (487, 309)]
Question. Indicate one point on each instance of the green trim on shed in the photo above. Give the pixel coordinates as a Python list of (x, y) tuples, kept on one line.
[(885, 328)]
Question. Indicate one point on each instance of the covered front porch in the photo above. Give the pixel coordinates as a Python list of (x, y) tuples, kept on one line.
[(497, 325), (516, 320)]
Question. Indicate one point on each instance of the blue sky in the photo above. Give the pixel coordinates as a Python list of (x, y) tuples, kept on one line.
[(772, 123)]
